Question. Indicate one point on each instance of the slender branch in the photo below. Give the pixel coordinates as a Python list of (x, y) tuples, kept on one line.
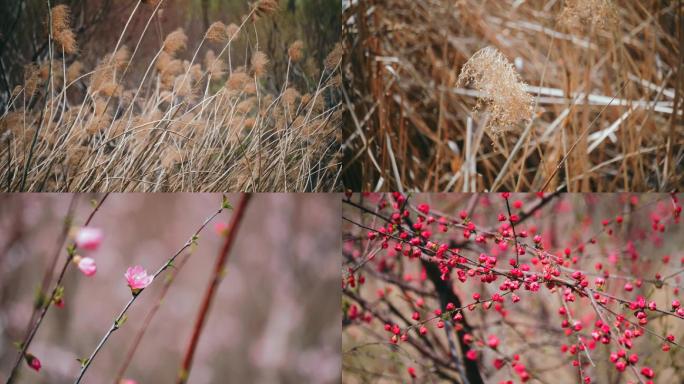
[(579, 339), (48, 302), (148, 318), (120, 318), (515, 236), (414, 342), (47, 277), (219, 269), (366, 210), (49, 271)]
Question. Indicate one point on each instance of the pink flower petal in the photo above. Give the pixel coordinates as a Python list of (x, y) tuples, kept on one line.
[(87, 266), (88, 238), (137, 277)]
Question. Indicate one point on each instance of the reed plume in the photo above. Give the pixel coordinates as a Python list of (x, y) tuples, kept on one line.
[(217, 33), (294, 51), (259, 63), (61, 28), (502, 91), (175, 42)]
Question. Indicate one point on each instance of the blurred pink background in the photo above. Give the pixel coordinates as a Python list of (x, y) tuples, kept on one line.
[(275, 318)]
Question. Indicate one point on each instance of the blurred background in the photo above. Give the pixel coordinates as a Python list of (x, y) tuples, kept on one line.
[(275, 316), (98, 24)]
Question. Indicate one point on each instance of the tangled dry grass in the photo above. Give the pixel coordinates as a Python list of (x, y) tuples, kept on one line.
[(188, 124), (576, 95)]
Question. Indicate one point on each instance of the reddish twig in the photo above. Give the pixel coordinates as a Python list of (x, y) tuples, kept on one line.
[(515, 236), (184, 372)]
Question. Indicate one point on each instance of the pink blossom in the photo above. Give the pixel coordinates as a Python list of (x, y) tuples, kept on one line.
[(128, 381), (137, 278), (88, 238), (87, 266)]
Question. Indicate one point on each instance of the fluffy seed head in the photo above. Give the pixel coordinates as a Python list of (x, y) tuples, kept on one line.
[(263, 8), (31, 79), (215, 67), (289, 97), (175, 41), (11, 123), (237, 81), (121, 57), (74, 71), (168, 68), (579, 14), (249, 122), (194, 71), (102, 80), (217, 33), (294, 52), (232, 30), (250, 88), (334, 58), (61, 30), (245, 106), (183, 86), (67, 40), (503, 92), (61, 17), (259, 63)]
